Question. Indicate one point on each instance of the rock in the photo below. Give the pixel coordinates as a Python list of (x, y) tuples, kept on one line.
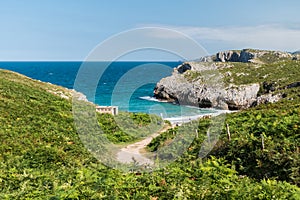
[(206, 59), (205, 103), (269, 87), (250, 55), (292, 85), (79, 96), (183, 68), (210, 94), (160, 93), (193, 83), (240, 97), (267, 98), (246, 56), (235, 56), (228, 73), (228, 56), (224, 56)]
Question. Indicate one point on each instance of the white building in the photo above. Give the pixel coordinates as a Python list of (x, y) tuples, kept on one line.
[(114, 110)]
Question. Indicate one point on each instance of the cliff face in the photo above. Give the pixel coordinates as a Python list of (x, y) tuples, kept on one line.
[(202, 83), (205, 92)]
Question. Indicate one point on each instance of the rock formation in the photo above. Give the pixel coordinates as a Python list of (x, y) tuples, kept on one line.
[(200, 84), (209, 93), (245, 55)]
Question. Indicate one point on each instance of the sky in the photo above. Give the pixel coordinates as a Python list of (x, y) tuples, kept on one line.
[(69, 30)]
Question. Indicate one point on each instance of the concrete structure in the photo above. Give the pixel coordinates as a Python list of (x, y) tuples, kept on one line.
[(114, 110)]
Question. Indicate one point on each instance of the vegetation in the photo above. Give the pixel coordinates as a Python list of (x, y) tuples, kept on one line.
[(193, 75), (262, 70), (265, 142), (128, 127), (287, 71), (42, 156)]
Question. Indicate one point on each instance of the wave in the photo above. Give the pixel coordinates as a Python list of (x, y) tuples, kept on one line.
[(148, 98), (183, 119)]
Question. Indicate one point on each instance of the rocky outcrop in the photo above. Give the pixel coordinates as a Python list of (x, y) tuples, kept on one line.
[(267, 98), (296, 55), (209, 93), (183, 68), (248, 55), (241, 97), (199, 83), (229, 56), (236, 56)]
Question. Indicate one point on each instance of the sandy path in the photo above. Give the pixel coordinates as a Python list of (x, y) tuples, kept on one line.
[(133, 151)]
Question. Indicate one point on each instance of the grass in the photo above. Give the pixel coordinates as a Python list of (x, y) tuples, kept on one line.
[(278, 123), (270, 68), (42, 156), (192, 75), (281, 72)]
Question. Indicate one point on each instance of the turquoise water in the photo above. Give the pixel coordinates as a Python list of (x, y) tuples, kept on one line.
[(128, 85)]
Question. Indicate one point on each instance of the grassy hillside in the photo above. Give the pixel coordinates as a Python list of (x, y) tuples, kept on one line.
[(268, 67), (42, 157), (283, 72)]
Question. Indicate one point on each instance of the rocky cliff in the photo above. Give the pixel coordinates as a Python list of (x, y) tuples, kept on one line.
[(205, 92), (205, 83), (249, 55)]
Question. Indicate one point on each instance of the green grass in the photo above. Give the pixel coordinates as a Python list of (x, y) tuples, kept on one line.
[(193, 75), (42, 156), (278, 123), (128, 127), (282, 72), (270, 68)]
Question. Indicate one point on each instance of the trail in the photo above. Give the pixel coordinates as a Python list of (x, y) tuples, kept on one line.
[(133, 151)]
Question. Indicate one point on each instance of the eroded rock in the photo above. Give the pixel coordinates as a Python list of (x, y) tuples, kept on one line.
[(209, 93)]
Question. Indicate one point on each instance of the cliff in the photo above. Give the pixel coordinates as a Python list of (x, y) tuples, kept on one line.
[(231, 79)]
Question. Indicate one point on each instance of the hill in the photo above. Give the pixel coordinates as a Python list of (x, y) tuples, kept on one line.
[(232, 80), (42, 156)]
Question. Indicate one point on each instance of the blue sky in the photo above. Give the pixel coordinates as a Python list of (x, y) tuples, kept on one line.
[(69, 30)]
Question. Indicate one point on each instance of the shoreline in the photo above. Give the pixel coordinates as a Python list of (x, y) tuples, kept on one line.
[(181, 118), (186, 119)]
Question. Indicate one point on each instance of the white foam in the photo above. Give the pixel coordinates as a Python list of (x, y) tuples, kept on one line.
[(148, 98), (184, 119)]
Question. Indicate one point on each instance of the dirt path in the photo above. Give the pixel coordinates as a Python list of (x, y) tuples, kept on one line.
[(133, 151)]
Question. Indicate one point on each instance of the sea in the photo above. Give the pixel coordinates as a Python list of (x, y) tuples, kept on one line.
[(128, 85)]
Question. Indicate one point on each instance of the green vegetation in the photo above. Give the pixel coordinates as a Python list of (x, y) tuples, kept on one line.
[(265, 142), (268, 67), (42, 156), (246, 73), (193, 75), (271, 57), (128, 127), (162, 139)]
